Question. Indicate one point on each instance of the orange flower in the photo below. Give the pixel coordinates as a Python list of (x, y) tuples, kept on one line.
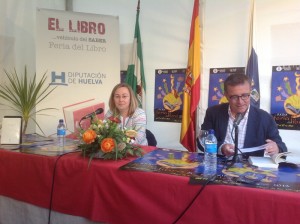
[(107, 145), (89, 136)]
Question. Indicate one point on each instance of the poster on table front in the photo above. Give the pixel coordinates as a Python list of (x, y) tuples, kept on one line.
[(80, 53), (217, 77), (285, 96), (190, 164), (168, 100)]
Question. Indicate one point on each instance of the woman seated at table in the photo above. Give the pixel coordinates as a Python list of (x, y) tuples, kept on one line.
[(124, 105)]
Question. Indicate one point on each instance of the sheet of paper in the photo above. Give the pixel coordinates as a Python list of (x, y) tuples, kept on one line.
[(253, 149)]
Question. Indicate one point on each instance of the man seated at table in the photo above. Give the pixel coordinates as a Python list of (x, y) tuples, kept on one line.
[(256, 128)]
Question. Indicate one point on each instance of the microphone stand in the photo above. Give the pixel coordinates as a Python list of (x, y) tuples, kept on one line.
[(236, 142), (236, 148), (83, 118), (80, 123)]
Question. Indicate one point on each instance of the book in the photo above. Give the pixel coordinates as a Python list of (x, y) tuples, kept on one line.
[(34, 137), (51, 148), (74, 113), (268, 161)]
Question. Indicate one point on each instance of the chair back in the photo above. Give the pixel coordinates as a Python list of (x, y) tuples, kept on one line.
[(150, 138)]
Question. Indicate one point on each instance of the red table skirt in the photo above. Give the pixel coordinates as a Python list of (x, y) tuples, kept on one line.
[(105, 193)]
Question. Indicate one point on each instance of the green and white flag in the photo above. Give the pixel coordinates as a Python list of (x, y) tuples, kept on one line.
[(135, 72)]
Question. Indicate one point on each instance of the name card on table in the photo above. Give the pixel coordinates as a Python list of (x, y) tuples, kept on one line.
[(11, 131)]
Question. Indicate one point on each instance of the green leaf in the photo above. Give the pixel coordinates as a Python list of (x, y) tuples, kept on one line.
[(22, 94)]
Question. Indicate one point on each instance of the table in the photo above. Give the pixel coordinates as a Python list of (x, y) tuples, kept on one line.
[(104, 193)]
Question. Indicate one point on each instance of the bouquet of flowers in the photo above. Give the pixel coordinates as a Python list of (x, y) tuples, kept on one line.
[(104, 139)]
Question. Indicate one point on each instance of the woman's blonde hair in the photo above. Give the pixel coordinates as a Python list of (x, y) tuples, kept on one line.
[(133, 100)]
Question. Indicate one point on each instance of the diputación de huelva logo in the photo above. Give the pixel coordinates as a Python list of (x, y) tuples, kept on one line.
[(58, 79)]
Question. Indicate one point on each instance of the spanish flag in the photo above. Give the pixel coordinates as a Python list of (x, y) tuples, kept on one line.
[(191, 94)]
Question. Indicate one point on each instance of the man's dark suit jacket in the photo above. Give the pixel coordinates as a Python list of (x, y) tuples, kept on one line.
[(260, 126)]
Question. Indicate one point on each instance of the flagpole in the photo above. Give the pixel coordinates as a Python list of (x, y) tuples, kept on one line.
[(250, 43)]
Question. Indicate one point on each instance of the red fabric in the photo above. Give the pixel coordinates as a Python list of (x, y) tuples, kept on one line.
[(105, 193), (189, 139), (229, 204), (26, 177)]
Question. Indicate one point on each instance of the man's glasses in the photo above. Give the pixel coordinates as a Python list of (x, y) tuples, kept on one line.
[(244, 96)]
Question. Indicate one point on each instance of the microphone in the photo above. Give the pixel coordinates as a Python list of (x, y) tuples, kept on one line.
[(238, 119), (98, 111)]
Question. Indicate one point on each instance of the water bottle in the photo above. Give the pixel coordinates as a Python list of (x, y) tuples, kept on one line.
[(210, 154), (61, 134)]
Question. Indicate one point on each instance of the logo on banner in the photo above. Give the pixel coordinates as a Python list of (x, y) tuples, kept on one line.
[(58, 79)]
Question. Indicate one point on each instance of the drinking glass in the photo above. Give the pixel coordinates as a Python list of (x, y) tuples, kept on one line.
[(201, 137)]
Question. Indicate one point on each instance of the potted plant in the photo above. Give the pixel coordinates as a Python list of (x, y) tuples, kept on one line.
[(23, 94)]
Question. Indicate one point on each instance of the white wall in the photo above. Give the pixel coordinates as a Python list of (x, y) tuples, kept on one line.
[(18, 26), (17, 21), (165, 29)]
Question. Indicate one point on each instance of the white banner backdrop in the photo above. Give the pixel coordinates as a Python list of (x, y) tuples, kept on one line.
[(81, 54), (7, 57), (7, 62)]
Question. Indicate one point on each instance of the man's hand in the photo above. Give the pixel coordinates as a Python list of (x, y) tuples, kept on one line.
[(227, 149), (271, 147)]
